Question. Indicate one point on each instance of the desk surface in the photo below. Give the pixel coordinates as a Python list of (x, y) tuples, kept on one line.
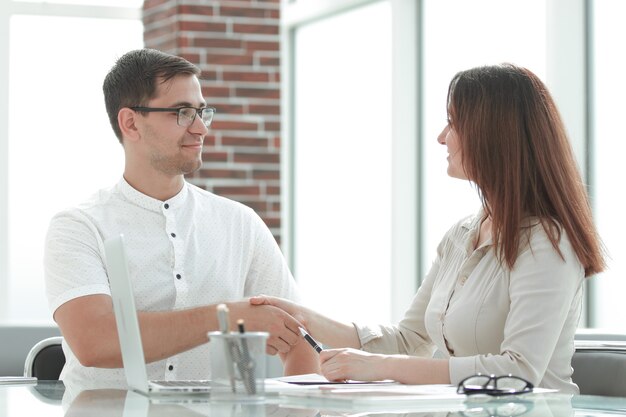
[(50, 398)]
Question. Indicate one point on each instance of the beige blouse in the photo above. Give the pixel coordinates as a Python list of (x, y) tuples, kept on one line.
[(488, 318)]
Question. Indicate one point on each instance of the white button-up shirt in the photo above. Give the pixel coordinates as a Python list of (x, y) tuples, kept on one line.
[(487, 318), (194, 249)]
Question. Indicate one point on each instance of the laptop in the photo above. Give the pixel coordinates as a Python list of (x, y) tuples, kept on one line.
[(128, 329)]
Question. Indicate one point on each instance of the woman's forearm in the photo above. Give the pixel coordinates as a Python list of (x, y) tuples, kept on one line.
[(415, 370), (329, 332)]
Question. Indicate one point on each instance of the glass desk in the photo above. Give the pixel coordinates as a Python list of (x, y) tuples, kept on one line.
[(51, 398)]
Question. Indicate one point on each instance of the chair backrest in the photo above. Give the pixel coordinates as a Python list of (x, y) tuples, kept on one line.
[(600, 367), (46, 359)]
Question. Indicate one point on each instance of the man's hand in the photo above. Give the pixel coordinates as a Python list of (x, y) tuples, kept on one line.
[(281, 326), (293, 309)]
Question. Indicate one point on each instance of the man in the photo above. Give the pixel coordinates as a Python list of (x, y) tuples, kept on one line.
[(188, 249)]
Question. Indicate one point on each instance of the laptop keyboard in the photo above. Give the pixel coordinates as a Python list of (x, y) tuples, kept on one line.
[(190, 383)]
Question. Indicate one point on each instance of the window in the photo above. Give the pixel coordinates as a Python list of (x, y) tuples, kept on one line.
[(609, 148), (342, 162), (59, 144)]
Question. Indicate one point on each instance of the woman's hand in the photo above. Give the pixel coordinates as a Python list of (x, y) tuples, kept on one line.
[(343, 364), (324, 329)]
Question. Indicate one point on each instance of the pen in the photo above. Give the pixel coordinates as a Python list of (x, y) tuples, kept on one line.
[(246, 365), (311, 341), (222, 318), (223, 321)]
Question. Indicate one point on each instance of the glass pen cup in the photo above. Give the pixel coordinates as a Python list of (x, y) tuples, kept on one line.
[(238, 366)]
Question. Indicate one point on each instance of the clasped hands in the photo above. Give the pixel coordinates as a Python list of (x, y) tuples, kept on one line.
[(336, 364)]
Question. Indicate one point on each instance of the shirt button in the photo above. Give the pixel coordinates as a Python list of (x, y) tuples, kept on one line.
[(171, 367), (463, 279), (166, 206), (173, 234), (178, 276)]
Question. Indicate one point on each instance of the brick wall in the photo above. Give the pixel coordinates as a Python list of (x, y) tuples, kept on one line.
[(236, 45)]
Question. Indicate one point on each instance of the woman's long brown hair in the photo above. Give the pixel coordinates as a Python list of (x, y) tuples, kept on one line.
[(516, 151)]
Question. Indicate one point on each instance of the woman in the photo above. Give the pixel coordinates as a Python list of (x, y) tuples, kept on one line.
[(504, 294)]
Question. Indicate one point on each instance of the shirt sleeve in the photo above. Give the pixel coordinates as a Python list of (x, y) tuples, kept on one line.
[(268, 272), (73, 260), (544, 289)]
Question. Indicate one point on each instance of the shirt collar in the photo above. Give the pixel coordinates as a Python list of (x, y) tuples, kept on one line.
[(472, 228), (144, 201)]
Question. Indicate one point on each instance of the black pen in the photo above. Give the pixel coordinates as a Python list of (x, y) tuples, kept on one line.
[(311, 341), (246, 364)]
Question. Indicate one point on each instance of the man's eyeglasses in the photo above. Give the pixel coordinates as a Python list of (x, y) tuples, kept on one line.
[(494, 385), (186, 115)]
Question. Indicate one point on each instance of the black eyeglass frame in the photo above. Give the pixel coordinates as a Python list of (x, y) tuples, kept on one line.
[(492, 389), (178, 110)]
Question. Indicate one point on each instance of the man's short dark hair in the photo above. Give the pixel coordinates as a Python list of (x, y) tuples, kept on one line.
[(133, 79)]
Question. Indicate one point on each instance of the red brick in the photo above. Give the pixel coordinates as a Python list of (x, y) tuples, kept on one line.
[(264, 109), (250, 76), (222, 173), (262, 46), (247, 11), (272, 126), (207, 75), (223, 108), (229, 59), (243, 141), (260, 158), (193, 58), (269, 61), (202, 26), (261, 174), (214, 156), (217, 43), (238, 190), (214, 91), (195, 10), (275, 206), (255, 29), (234, 125), (209, 140), (258, 92), (273, 189)]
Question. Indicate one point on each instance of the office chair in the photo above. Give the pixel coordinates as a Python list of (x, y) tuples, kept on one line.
[(46, 359), (600, 367)]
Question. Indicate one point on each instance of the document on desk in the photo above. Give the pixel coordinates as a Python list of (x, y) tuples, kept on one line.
[(418, 397), (316, 379)]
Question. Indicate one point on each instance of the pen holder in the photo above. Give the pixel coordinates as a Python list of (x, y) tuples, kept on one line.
[(238, 366)]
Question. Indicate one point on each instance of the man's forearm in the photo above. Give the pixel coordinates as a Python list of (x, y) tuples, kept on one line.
[(163, 334)]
